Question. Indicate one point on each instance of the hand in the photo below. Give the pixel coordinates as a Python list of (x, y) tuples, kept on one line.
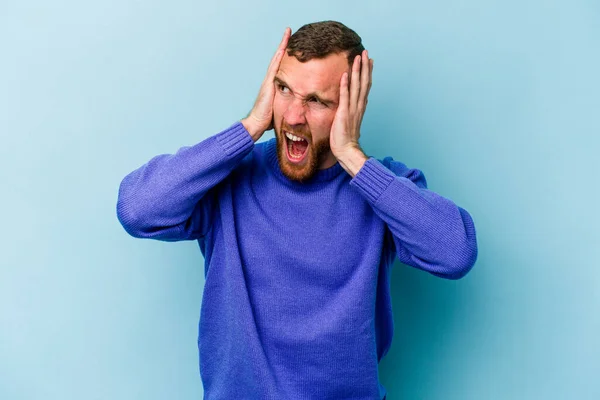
[(345, 129), (260, 118)]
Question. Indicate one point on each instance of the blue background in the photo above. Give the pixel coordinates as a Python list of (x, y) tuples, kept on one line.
[(497, 102)]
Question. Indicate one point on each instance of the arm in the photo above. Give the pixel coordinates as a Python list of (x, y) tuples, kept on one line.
[(429, 231), (168, 197)]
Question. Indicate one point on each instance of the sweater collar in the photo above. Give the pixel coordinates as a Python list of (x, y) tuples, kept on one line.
[(321, 175)]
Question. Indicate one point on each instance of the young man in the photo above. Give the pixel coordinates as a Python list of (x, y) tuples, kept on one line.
[(298, 232)]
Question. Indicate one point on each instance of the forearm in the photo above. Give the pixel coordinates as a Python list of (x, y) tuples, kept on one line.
[(430, 231), (164, 192)]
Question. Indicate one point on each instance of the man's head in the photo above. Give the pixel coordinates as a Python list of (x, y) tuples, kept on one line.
[(307, 88)]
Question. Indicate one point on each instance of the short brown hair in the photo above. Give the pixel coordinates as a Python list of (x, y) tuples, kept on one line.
[(320, 39)]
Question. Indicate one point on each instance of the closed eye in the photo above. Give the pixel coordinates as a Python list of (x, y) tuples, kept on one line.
[(285, 90), (318, 102)]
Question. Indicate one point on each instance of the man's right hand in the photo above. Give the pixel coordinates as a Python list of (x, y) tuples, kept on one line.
[(260, 118)]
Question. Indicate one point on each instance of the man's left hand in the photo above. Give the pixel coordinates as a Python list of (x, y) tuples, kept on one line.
[(345, 129)]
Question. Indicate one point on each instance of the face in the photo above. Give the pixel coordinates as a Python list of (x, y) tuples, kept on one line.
[(306, 100)]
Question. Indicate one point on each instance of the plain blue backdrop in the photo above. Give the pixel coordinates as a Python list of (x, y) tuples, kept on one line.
[(497, 102)]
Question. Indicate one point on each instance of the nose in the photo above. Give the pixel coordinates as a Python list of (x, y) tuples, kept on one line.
[(294, 115)]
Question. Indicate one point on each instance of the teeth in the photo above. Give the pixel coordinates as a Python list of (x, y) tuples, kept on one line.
[(292, 137)]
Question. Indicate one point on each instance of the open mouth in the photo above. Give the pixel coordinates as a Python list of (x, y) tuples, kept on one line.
[(296, 147)]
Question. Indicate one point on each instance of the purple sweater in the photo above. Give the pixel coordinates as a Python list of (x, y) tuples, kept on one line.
[(296, 303)]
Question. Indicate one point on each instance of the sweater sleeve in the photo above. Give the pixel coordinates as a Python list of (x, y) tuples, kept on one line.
[(170, 198), (428, 231)]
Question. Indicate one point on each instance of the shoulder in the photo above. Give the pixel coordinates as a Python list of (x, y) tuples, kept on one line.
[(400, 169)]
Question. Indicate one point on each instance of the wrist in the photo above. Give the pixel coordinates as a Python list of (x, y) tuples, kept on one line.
[(352, 160), (251, 128)]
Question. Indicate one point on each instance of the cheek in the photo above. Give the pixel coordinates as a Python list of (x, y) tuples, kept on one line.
[(278, 107), (320, 124)]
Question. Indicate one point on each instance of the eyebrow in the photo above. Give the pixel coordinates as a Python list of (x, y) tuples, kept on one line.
[(313, 94)]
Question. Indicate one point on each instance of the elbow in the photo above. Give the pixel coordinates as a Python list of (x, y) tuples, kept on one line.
[(137, 216), (129, 213), (127, 219), (462, 255), (126, 214), (458, 266), (453, 264), (466, 254), (143, 225), (462, 263)]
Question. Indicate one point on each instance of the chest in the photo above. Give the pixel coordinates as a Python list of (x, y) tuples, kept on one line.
[(321, 237)]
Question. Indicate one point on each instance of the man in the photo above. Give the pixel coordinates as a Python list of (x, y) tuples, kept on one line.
[(298, 232)]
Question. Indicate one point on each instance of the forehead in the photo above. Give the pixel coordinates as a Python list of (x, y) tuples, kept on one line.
[(316, 75)]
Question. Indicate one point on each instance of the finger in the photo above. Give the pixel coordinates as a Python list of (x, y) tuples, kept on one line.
[(274, 66), (344, 98), (284, 40), (276, 59), (355, 83), (370, 78), (364, 78)]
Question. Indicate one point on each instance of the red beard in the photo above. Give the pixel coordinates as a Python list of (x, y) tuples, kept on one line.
[(308, 167)]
